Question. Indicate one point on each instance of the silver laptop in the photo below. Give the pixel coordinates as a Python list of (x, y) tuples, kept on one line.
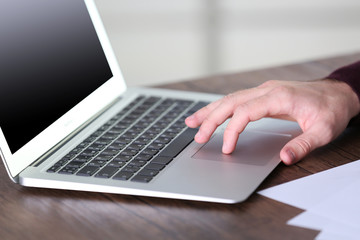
[(68, 121)]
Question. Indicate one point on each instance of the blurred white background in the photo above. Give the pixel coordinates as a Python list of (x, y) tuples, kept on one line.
[(160, 41)]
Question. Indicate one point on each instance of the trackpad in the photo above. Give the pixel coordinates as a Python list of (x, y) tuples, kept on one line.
[(253, 147)]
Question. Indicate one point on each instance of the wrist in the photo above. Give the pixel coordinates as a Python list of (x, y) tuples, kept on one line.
[(352, 98)]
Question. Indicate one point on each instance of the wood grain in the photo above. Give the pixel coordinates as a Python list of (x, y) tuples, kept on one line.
[(33, 213)]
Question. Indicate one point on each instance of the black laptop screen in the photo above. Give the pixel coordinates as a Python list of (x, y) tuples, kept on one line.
[(50, 60)]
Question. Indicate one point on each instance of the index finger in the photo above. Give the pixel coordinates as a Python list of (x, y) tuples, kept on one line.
[(196, 119)]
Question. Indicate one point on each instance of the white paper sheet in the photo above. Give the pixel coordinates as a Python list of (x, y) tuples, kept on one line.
[(325, 235), (309, 220), (330, 229), (342, 206), (339, 231), (331, 198), (332, 232), (306, 192)]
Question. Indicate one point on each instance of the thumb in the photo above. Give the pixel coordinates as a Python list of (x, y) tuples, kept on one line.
[(301, 146)]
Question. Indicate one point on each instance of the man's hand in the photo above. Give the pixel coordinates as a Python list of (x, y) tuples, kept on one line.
[(322, 109)]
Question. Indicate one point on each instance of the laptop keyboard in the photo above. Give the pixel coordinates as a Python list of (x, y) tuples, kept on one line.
[(136, 144)]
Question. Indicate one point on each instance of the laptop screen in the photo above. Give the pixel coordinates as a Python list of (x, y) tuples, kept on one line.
[(50, 60)]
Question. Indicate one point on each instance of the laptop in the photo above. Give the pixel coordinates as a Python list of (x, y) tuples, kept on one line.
[(68, 121)]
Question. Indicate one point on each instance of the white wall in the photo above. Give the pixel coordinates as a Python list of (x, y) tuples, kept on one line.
[(159, 41)]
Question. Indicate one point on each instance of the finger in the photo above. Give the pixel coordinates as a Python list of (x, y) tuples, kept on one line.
[(239, 97), (198, 117), (214, 119), (223, 111), (235, 126), (302, 145), (264, 106)]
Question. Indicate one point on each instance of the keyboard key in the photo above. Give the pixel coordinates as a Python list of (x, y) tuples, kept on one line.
[(130, 168), (89, 139), (135, 130), (152, 100), (149, 151), (82, 145), (180, 125), (145, 157), (183, 102), (54, 168), (103, 157), (156, 146), (136, 147), (155, 166), (154, 130), (89, 152), (103, 140), (140, 178), (142, 141), (109, 152), (97, 163), (116, 130), (117, 146), (163, 139), (122, 125), (163, 160), (116, 164), (127, 121), (69, 156), (123, 140), (148, 172), (129, 135), (129, 152), (174, 130), (137, 163), (167, 102), (84, 157), (96, 147), (166, 137), (76, 164), (107, 172), (62, 162), (88, 171), (179, 143), (122, 158), (68, 170), (122, 175), (76, 151), (111, 121), (78, 159), (148, 135), (103, 128), (97, 134), (110, 136)]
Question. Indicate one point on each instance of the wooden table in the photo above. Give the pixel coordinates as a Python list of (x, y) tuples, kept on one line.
[(31, 213)]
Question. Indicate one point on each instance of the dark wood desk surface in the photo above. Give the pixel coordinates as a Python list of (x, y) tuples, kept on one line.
[(31, 213)]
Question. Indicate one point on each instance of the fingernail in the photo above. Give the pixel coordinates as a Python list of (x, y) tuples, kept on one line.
[(291, 155), (198, 136), (225, 148), (191, 117)]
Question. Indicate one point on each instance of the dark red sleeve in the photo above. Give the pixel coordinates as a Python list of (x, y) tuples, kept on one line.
[(349, 74)]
